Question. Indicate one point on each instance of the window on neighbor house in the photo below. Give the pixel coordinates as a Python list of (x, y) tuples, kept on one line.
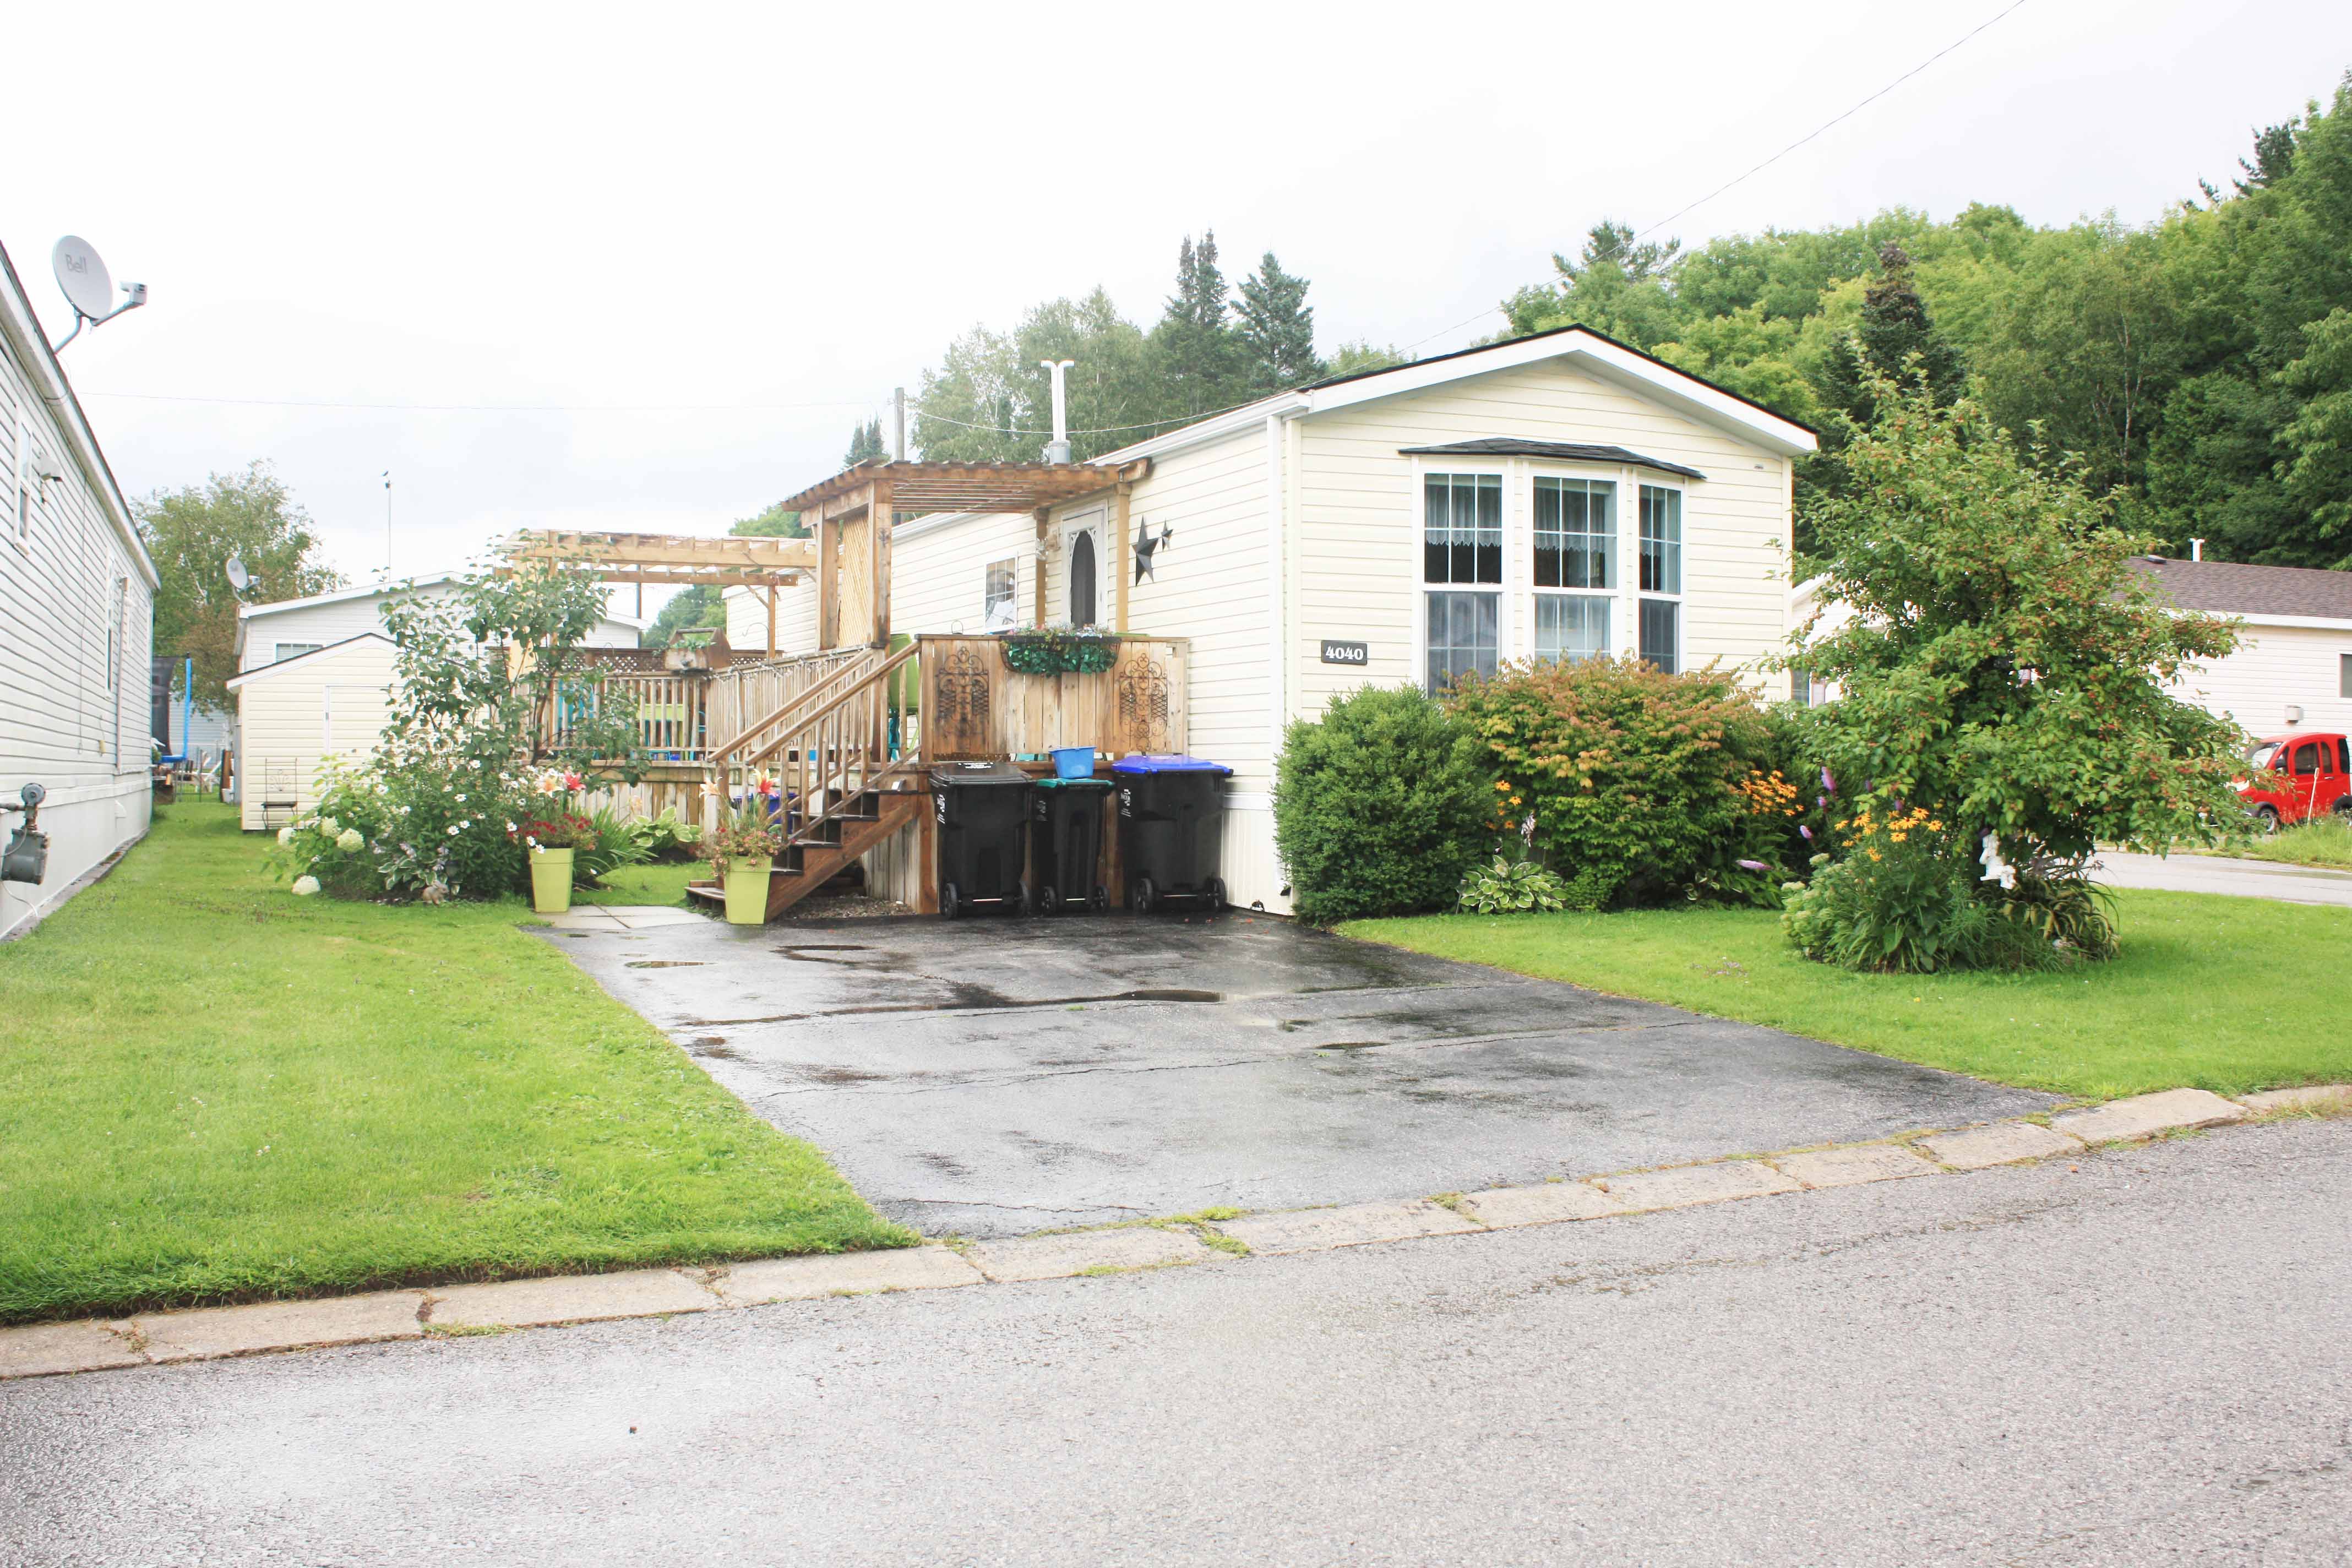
[(1462, 542), (283, 651), (1575, 548), (998, 611), (1662, 574), (2344, 675), (24, 480)]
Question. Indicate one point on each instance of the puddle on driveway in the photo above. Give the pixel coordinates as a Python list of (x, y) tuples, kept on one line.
[(666, 963), (966, 997)]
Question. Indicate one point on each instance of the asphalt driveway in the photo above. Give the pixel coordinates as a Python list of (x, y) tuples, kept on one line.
[(989, 1078)]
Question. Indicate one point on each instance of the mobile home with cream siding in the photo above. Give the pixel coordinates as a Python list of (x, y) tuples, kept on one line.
[(77, 617), (1553, 496)]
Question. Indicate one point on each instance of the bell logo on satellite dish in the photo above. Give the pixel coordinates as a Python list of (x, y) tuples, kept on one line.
[(88, 286)]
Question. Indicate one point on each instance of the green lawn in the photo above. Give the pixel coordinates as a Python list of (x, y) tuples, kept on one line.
[(2223, 994), (2326, 842), (664, 883), (211, 1090)]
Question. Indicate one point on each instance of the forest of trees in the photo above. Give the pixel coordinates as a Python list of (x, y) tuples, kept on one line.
[(2199, 368)]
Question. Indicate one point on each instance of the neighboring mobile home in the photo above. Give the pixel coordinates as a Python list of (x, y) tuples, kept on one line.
[(287, 726), (1555, 496), (77, 597), (2292, 668)]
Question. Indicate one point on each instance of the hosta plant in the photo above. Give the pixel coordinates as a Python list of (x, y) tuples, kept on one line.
[(1504, 886)]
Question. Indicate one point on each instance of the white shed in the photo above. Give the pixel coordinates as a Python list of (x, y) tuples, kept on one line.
[(77, 617), (296, 713)]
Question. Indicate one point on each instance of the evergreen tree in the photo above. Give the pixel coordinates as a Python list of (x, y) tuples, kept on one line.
[(865, 444), (1202, 359), (2273, 156), (697, 605), (1277, 328)]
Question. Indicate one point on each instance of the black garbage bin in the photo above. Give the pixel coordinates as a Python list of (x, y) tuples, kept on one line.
[(1171, 829), (1065, 843), (982, 813)]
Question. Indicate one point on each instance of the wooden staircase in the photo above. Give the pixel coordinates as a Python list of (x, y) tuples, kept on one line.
[(848, 785)]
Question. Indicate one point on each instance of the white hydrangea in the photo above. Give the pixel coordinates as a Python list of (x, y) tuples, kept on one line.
[(349, 840), (285, 834), (329, 826), (305, 886)]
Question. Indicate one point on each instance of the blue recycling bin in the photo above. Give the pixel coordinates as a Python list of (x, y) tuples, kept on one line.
[(1171, 816)]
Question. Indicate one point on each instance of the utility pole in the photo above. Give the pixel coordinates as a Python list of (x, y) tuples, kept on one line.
[(387, 525), (898, 424)]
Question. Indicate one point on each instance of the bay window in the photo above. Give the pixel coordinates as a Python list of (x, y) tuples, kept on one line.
[(1576, 549), (1462, 549), (1662, 576)]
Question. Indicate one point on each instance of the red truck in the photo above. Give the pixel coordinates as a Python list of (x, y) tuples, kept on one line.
[(2313, 776)]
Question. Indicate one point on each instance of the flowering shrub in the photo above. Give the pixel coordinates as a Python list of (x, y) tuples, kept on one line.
[(1633, 783), (408, 825)]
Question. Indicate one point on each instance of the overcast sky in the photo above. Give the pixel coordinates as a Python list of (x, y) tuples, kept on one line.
[(666, 256)]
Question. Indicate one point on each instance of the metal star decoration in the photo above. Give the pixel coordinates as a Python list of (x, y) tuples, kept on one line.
[(1147, 546)]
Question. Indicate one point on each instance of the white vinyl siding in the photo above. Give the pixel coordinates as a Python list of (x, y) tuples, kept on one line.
[(76, 631), (2276, 669), (276, 634), (1359, 562), (290, 719)]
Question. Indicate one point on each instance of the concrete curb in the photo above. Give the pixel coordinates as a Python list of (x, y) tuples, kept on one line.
[(94, 1344)]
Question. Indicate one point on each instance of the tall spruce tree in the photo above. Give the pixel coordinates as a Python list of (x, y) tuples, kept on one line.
[(865, 444), (1202, 359), (1277, 328)]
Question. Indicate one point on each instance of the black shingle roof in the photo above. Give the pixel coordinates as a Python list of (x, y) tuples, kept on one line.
[(1566, 451)]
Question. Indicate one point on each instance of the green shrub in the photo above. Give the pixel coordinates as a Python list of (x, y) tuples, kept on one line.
[(413, 823), (1640, 785), (1504, 886), (615, 841), (1379, 805)]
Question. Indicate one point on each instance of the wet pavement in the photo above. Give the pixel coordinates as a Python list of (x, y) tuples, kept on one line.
[(990, 1078)]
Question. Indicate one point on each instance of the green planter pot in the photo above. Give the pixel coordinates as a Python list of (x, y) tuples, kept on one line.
[(747, 891), (550, 880)]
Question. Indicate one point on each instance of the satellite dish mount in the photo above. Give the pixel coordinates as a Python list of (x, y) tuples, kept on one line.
[(87, 288)]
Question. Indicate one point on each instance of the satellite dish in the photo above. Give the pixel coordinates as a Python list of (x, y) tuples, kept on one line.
[(239, 578), (89, 286)]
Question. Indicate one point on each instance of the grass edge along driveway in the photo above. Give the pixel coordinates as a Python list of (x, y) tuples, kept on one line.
[(2227, 994), (212, 1091)]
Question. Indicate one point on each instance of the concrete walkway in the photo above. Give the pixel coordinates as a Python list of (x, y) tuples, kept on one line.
[(2223, 873)]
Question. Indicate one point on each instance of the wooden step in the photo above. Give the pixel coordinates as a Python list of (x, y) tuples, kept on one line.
[(810, 862)]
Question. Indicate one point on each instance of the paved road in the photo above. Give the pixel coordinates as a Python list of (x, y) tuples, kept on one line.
[(989, 1078), (2147, 1360), (2224, 874)]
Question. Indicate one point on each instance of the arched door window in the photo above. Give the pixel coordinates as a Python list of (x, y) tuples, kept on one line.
[(1081, 580)]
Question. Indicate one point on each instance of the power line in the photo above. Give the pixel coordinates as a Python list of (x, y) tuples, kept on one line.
[(487, 407), (1799, 142)]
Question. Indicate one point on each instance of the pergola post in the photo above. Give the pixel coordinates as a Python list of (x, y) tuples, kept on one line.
[(1119, 547), (878, 519), (1045, 515), (829, 582), (771, 623)]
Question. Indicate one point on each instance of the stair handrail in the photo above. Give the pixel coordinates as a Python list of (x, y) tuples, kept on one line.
[(820, 763), (719, 755)]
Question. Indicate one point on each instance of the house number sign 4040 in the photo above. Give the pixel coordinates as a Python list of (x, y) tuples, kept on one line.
[(1338, 652)]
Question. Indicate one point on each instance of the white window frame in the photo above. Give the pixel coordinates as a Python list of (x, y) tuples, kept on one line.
[(278, 654), (1636, 594), (1095, 521), (1515, 525), (1615, 593), (1011, 617)]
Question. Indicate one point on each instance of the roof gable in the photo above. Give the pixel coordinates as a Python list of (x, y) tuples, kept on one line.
[(284, 665), (1565, 451)]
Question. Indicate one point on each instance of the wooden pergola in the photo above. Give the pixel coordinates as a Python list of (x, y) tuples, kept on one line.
[(853, 555), (846, 554)]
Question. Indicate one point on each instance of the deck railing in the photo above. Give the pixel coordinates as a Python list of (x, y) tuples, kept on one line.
[(683, 713)]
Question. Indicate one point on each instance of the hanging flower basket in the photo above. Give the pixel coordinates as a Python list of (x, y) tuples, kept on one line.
[(1059, 649)]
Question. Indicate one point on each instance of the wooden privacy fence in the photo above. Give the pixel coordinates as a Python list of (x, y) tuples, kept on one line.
[(975, 706)]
